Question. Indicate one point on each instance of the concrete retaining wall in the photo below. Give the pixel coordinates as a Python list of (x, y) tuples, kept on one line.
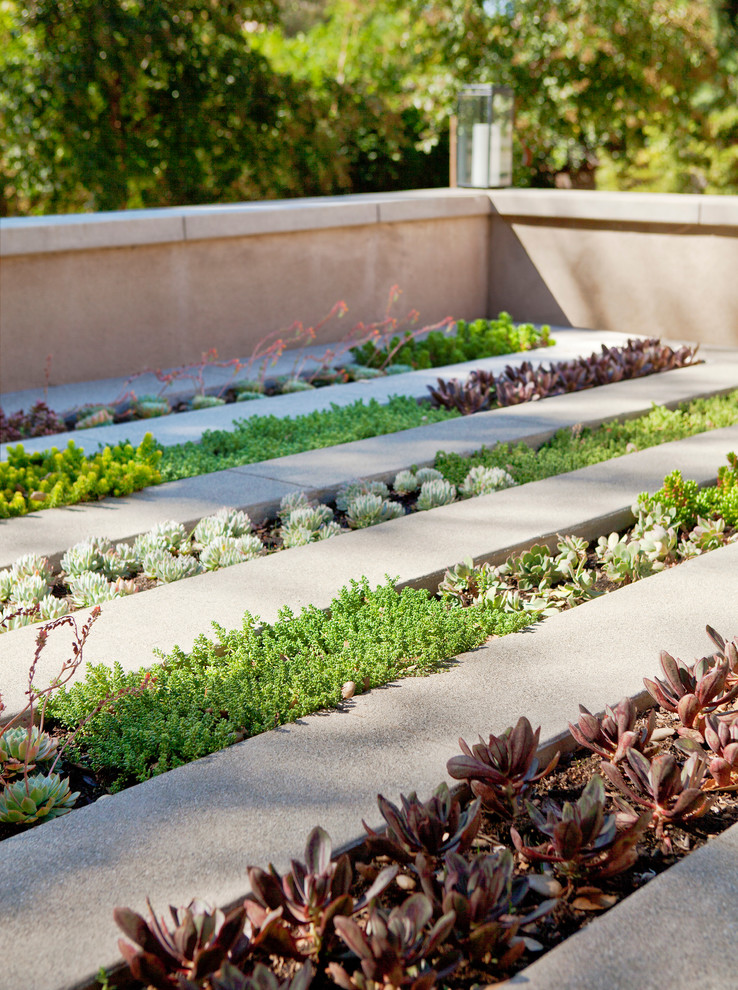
[(652, 264), (108, 295)]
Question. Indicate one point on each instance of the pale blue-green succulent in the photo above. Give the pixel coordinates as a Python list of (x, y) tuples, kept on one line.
[(39, 797)]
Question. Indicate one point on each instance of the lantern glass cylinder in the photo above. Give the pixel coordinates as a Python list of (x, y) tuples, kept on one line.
[(484, 137)]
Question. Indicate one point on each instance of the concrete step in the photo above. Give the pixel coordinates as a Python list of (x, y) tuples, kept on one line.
[(193, 831), (258, 488), (416, 548), (183, 427)]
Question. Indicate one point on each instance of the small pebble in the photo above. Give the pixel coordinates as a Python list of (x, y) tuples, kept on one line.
[(666, 732), (404, 882)]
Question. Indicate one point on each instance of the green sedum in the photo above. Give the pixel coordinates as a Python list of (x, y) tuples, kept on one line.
[(252, 679)]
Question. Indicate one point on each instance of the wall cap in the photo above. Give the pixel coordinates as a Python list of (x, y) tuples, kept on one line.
[(129, 228)]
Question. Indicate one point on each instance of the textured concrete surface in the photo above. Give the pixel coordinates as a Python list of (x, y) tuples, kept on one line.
[(257, 488), (193, 831), (183, 427), (417, 549)]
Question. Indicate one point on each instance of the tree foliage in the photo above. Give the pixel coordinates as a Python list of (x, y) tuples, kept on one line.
[(110, 104)]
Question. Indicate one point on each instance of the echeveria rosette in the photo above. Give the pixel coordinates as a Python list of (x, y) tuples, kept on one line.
[(35, 798), (501, 771)]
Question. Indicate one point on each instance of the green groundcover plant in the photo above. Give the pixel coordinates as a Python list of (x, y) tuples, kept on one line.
[(577, 447), (246, 681), (265, 437), (478, 339), (53, 477)]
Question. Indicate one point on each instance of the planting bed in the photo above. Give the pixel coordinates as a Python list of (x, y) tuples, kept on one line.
[(190, 426), (382, 352), (192, 831), (261, 797)]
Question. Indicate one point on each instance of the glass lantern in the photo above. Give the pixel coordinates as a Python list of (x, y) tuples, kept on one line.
[(484, 137)]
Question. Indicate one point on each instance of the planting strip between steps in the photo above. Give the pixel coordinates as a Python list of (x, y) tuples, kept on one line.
[(193, 831), (181, 427), (257, 488), (416, 548)]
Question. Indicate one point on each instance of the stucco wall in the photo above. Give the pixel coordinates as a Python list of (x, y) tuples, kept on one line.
[(661, 265), (225, 278), (108, 295)]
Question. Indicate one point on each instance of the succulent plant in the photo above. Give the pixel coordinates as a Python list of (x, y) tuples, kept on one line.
[(201, 941), (484, 480), (314, 893), (484, 894), (583, 840), (659, 784), (309, 516), (31, 564), (659, 543), (329, 530), (692, 691), (7, 584), (228, 550), (502, 770), (119, 562), (371, 510), (167, 568), (21, 748), (205, 402), (395, 948), (625, 561), (435, 493), (432, 827), (524, 382), (151, 406), (721, 736), (295, 500), (297, 536), (306, 523), (90, 588), (534, 569), (361, 373), (36, 798), (122, 587), (726, 653), (169, 535), (262, 978), (295, 385), (248, 385), (349, 492), (29, 590), (224, 523), (50, 608), (708, 534), (428, 474), (405, 483), (94, 417), (476, 393), (466, 582), (82, 557), (612, 734)]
